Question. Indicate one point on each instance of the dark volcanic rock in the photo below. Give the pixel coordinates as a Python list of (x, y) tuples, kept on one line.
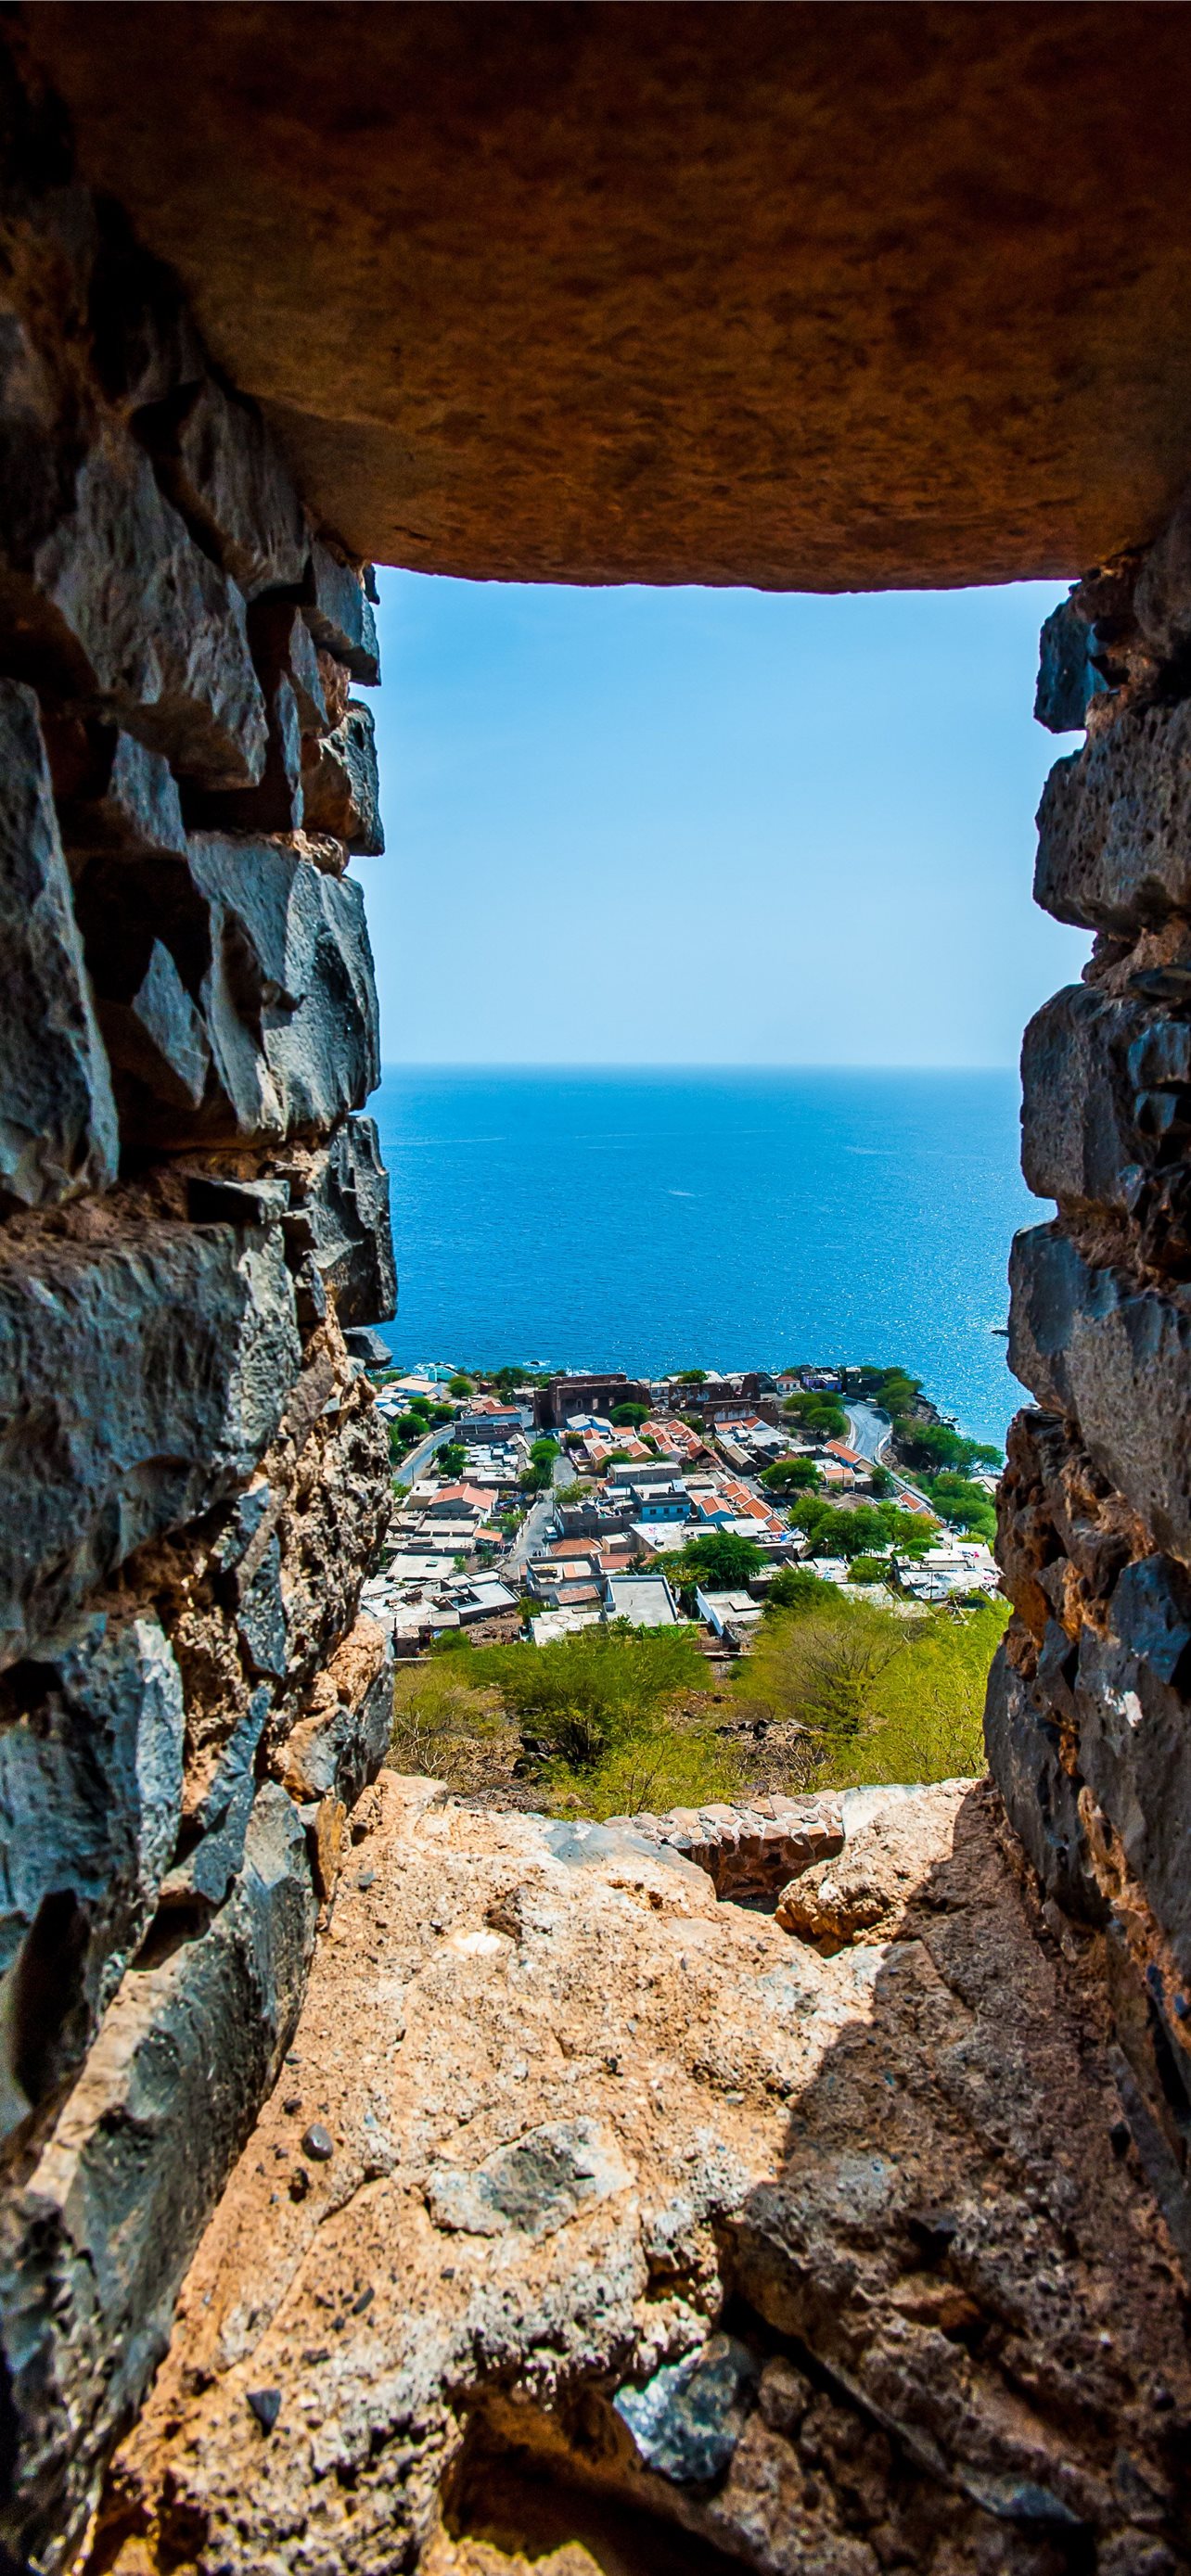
[(339, 614), (140, 1380), (687, 2420), (119, 608), (57, 1116), (340, 1746), (1135, 1734), (215, 1831), (91, 1797), (292, 1013), (274, 957), (1079, 1136), (130, 806), (342, 785), (1114, 824), (1116, 1359), (1066, 677), (157, 1038), (94, 2243), (226, 476), (1041, 1799), (342, 1216)]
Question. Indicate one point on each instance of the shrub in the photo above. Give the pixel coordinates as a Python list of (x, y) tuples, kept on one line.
[(577, 1699), (445, 1727), (797, 1589), (880, 1697), (460, 1385)]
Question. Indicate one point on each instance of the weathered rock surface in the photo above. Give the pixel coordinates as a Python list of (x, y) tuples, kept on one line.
[(57, 1116), (340, 1213), (747, 1851), (638, 2206), (226, 478), (342, 786), (143, 1370), (679, 294), (91, 1745), (1115, 1358), (1100, 864), (270, 1012), (118, 608), (95, 2234)]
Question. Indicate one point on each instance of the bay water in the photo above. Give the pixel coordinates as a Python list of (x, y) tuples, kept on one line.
[(651, 1220)]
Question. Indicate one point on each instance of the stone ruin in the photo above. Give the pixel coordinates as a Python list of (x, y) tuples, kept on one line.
[(845, 2238)]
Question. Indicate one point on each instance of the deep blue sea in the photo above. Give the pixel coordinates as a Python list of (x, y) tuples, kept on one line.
[(646, 1220)]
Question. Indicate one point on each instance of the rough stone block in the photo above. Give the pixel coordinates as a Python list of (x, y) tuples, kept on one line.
[(342, 785), (119, 608), (291, 1001), (276, 803), (339, 1746), (1067, 679), (341, 1215), (1041, 1799), (212, 1844), (1115, 1359), (368, 1347), (126, 801), (94, 2245), (273, 980), (1162, 594), (1114, 824), (339, 614), (141, 1378), (1080, 1142), (226, 476), (57, 1116), (157, 1037), (91, 1742), (1135, 1734)]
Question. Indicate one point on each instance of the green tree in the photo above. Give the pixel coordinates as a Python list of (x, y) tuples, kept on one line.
[(965, 1505), (411, 1426), (792, 1476), (820, 1415), (451, 1459), (460, 1385), (882, 1483), (690, 1377), (630, 1415), (936, 1446), (719, 1561)]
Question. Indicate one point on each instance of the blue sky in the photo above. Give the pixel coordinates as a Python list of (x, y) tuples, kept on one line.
[(709, 827)]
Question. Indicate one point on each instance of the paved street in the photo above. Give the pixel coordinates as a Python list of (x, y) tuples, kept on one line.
[(868, 1429)]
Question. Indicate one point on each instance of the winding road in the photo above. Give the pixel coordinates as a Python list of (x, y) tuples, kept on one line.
[(868, 1430)]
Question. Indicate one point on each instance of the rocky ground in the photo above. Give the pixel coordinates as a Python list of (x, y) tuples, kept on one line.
[(598, 2223)]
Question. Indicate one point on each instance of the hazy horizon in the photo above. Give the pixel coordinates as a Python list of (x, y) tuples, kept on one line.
[(635, 829)]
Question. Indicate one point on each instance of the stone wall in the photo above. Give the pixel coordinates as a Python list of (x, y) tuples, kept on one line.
[(1089, 1714), (193, 1479)]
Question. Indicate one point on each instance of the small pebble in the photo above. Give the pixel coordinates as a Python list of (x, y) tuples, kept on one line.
[(365, 2300), (266, 2406), (300, 2184), (366, 1878), (294, 2104), (318, 2143), (733, 2097)]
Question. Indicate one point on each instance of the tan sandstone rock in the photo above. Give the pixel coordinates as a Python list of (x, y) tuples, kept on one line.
[(597, 2222)]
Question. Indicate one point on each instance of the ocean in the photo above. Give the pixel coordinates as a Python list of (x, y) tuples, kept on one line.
[(653, 1220)]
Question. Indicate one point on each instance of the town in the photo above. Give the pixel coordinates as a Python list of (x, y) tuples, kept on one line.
[(532, 1505)]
